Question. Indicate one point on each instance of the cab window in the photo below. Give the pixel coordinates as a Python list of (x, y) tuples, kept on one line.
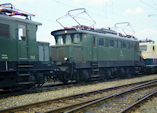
[(143, 48), (68, 39), (22, 33), (60, 40), (76, 38), (4, 30)]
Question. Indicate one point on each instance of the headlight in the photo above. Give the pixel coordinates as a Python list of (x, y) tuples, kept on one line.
[(65, 58)]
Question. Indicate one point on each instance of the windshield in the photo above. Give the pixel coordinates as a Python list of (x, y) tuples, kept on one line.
[(60, 40), (68, 39), (77, 38), (143, 48)]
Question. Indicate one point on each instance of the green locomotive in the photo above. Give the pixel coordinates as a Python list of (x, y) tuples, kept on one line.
[(83, 54), (23, 60)]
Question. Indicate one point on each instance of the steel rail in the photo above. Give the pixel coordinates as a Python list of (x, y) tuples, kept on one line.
[(73, 96), (140, 101), (94, 102)]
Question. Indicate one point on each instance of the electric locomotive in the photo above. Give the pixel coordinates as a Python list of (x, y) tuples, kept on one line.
[(23, 60), (83, 54), (149, 55)]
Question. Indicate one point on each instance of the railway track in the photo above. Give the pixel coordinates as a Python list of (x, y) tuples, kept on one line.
[(48, 87), (79, 101), (139, 103), (122, 102)]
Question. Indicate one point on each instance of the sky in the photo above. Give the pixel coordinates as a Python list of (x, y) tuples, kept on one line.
[(141, 15)]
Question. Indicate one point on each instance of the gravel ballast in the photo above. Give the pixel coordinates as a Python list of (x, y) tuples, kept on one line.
[(148, 107), (42, 96)]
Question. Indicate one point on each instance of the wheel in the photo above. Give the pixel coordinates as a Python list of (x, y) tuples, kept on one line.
[(102, 74), (83, 76), (64, 77), (40, 79)]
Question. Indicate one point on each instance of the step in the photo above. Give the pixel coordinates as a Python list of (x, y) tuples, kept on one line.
[(25, 83), (94, 63), (96, 69), (95, 76), (25, 66), (24, 74)]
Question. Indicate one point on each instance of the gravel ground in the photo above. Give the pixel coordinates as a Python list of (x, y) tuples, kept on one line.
[(121, 102), (32, 98), (148, 107)]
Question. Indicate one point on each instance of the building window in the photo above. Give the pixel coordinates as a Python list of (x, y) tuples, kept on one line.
[(4, 30), (101, 42), (22, 33)]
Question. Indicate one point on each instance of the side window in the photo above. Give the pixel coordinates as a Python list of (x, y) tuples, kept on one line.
[(101, 42), (94, 41), (115, 43), (111, 43), (127, 45), (22, 33), (131, 45), (4, 30), (124, 44), (119, 44), (106, 42)]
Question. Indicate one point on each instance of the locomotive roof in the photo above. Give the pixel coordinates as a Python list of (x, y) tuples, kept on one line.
[(5, 17), (101, 32)]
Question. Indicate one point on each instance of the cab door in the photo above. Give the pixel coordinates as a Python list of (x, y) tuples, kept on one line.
[(22, 43), (94, 49)]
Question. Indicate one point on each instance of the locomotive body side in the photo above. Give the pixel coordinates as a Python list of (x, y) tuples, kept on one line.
[(97, 55), (20, 53), (149, 55)]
